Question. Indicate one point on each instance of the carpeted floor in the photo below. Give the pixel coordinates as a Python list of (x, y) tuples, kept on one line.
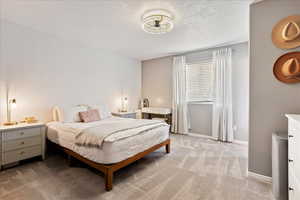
[(196, 168)]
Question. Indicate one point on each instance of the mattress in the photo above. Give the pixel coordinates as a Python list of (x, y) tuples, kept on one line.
[(110, 152)]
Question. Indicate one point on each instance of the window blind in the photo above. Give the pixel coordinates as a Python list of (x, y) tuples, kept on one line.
[(199, 77)]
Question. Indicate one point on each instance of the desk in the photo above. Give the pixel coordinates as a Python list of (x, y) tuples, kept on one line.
[(153, 112)]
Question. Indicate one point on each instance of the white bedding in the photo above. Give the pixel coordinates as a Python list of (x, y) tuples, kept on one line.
[(113, 150)]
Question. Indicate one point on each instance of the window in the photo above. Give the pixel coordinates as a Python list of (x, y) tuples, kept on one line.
[(199, 77)]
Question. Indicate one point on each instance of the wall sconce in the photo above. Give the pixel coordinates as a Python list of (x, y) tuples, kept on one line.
[(11, 104), (124, 104)]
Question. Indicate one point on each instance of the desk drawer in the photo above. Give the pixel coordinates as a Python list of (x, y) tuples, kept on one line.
[(21, 154), (23, 133), (21, 143)]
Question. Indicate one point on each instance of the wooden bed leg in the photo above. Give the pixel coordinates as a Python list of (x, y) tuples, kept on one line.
[(109, 180), (168, 148), (70, 160)]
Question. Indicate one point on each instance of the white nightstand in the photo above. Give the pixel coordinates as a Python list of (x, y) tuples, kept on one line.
[(125, 114), (20, 142)]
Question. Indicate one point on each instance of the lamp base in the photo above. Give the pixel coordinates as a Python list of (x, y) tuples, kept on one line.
[(10, 123)]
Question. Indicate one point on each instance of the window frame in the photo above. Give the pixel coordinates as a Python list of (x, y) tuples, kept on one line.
[(204, 101)]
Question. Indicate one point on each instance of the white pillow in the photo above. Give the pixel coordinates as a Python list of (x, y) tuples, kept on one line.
[(103, 111), (71, 114)]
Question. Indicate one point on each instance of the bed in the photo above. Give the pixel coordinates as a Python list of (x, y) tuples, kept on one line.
[(117, 150)]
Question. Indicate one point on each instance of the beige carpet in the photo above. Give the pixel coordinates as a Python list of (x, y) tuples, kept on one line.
[(196, 168)]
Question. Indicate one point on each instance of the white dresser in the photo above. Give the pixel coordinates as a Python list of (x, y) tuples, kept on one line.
[(294, 156), (21, 142)]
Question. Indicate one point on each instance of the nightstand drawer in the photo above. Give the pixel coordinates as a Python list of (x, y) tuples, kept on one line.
[(125, 114), (132, 115), (21, 154), (21, 143), (22, 133)]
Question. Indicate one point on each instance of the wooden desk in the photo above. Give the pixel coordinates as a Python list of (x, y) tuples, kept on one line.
[(153, 112)]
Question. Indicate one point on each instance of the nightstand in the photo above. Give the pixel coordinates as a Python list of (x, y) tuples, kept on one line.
[(125, 114), (20, 142)]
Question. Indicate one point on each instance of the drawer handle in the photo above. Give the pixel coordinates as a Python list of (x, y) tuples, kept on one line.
[(22, 142), (290, 136), (291, 189), (22, 152), (290, 160)]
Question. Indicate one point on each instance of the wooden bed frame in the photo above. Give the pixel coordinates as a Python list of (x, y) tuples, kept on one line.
[(109, 169)]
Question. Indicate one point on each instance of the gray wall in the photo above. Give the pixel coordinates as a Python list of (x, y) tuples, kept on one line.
[(269, 98), (157, 81), (43, 70), (157, 86)]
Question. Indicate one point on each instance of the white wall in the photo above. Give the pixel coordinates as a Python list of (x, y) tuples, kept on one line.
[(43, 70), (157, 86), (269, 98)]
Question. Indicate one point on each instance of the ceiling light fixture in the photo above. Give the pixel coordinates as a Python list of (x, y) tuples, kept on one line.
[(157, 21)]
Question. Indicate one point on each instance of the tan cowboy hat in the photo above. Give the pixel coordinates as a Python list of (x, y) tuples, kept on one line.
[(286, 33), (287, 68)]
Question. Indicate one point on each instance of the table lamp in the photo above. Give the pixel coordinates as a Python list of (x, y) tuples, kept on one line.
[(124, 104), (11, 104)]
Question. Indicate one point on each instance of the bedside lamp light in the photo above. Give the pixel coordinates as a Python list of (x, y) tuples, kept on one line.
[(124, 104), (11, 104)]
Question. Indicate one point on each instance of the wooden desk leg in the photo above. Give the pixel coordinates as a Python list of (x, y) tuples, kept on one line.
[(109, 180)]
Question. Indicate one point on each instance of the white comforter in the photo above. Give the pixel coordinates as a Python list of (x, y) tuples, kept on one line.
[(94, 133)]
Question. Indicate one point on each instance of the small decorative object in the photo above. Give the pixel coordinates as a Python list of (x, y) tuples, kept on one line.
[(29, 120), (124, 104), (11, 104), (286, 33), (145, 103), (287, 68), (157, 21)]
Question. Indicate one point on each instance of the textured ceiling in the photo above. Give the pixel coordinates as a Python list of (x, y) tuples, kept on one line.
[(115, 25)]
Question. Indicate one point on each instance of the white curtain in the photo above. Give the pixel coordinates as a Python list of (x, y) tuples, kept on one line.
[(179, 103), (222, 125)]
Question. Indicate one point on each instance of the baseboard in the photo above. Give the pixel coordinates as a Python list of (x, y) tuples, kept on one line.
[(240, 142), (201, 136), (212, 138), (262, 178)]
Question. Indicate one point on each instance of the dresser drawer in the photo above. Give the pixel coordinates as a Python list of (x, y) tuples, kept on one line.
[(21, 143), (21, 154), (294, 167), (294, 125), (22, 133), (294, 187), (293, 146), (294, 140)]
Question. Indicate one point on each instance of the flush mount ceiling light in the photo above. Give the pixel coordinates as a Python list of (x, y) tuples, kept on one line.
[(157, 21)]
